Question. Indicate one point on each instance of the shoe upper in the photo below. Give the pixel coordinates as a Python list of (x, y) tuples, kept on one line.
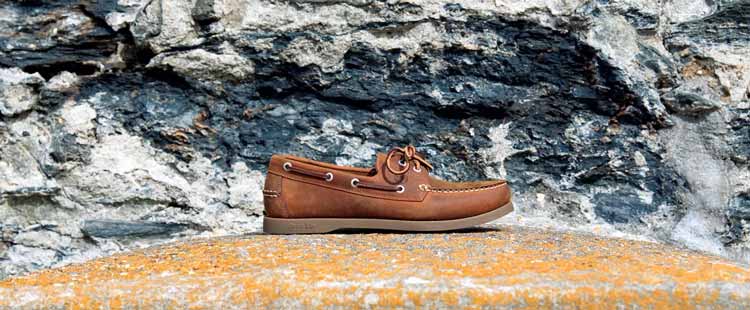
[(399, 186)]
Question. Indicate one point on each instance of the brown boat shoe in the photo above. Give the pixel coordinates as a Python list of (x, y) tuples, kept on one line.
[(307, 196)]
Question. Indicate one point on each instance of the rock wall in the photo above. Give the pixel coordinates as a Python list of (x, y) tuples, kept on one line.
[(126, 123)]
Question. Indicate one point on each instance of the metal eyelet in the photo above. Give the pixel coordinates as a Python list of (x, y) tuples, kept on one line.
[(329, 177), (401, 189), (355, 181), (287, 165), (416, 170), (402, 162)]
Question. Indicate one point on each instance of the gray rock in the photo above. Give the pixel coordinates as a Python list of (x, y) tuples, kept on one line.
[(202, 65), (35, 258), (43, 239), (121, 14), (49, 37), (18, 91), (60, 88), (162, 25), (119, 229), (689, 102), (20, 174), (207, 11), (739, 219)]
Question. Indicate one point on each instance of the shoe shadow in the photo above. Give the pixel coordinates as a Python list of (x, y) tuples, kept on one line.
[(366, 231), (358, 231)]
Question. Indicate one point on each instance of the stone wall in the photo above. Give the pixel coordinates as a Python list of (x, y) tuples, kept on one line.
[(126, 123)]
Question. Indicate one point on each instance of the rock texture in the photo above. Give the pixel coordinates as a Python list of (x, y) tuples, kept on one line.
[(493, 267), (131, 122)]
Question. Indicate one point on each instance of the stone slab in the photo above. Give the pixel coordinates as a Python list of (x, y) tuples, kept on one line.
[(490, 267)]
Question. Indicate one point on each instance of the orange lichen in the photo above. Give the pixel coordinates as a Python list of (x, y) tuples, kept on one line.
[(525, 268)]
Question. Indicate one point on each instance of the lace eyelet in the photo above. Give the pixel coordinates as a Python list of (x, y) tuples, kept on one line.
[(401, 189), (355, 181), (402, 162), (416, 170), (329, 177), (286, 166)]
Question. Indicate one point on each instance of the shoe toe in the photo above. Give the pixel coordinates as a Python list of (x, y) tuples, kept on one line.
[(461, 202), (492, 197)]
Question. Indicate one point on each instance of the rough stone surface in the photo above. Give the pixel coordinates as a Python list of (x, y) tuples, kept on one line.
[(17, 91), (202, 65), (493, 266), (154, 120)]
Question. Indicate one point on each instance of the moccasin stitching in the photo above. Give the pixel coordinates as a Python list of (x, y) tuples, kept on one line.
[(450, 190)]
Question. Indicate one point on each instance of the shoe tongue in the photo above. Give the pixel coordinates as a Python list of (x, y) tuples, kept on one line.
[(383, 172), (380, 162)]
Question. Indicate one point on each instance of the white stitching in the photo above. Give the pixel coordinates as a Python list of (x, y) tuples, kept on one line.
[(427, 188), (270, 193)]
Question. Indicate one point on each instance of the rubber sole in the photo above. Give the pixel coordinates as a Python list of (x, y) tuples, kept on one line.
[(274, 225)]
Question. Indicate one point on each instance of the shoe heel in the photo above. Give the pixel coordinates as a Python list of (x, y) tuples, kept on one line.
[(272, 225)]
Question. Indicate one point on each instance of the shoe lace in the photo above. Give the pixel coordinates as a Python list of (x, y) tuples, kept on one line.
[(409, 156)]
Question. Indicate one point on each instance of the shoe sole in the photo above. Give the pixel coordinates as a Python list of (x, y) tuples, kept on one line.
[(274, 225)]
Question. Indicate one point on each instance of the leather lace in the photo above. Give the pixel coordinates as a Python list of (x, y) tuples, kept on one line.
[(381, 187), (328, 176), (409, 156)]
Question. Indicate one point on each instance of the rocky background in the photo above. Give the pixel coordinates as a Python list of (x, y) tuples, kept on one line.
[(125, 123)]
